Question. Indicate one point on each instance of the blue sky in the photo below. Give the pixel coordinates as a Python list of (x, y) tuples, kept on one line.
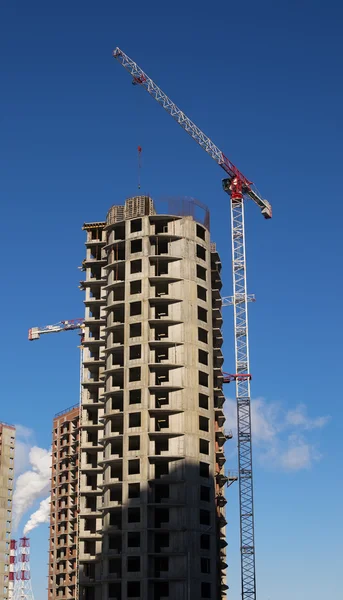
[(263, 80)]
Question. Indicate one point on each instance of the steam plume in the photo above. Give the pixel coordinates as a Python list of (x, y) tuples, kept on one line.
[(42, 515), (32, 484)]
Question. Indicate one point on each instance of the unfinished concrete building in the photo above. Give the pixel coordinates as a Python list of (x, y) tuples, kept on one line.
[(152, 522), (7, 449), (63, 551)]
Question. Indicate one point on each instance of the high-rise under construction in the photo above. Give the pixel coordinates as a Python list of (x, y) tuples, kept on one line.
[(7, 448), (151, 500)]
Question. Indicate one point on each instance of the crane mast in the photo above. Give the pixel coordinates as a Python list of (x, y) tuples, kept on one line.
[(238, 187)]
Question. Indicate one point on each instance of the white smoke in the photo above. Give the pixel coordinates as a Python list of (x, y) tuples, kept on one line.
[(42, 515), (32, 484)]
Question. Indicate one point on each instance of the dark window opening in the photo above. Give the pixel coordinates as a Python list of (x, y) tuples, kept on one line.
[(135, 419), (135, 330), (136, 266), (133, 539), (201, 272), (136, 246), (202, 314), (133, 515), (161, 541), (161, 446), (205, 493), (204, 446), (161, 289), (161, 469), (205, 589), (200, 231), (134, 467), (133, 589), (204, 469), (204, 517), (135, 309), (134, 490), (136, 286), (203, 401), (202, 293), (205, 565), (135, 397), (203, 357), (202, 335), (161, 422), (204, 424), (133, 564), (203, 379), (134, 374), (161, 493), (136, 225), (134, 442), (201, 252), (135, 352), (204, 541)]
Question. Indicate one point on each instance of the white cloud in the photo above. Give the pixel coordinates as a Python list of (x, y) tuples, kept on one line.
[(278, 436)]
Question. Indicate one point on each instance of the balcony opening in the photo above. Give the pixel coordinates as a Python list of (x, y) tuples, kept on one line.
[(161, 493), (161, 542), (204, 446), (161, 566), (134, 490), (161, 226), (204, 469), (135, 419), (161, 355), (161, 267), (135, 396), (135, 352), (135, 225), (135, 330), (161, 332), (204, 423), (161, 423), (135, 286), (205, 493), (133, 539), (133, 564), (161, 517), (134, 442), (116, 495), (161, 311), (161, 289), (133, 515), (136, 246), (161, 469), (161, 446), (119, 232), (161, 399), (134, 467)]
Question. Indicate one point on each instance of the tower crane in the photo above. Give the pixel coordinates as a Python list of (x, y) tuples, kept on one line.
[(36, 332), (239, 188)]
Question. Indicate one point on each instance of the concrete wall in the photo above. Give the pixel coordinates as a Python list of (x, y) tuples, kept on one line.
[(7, 448)]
